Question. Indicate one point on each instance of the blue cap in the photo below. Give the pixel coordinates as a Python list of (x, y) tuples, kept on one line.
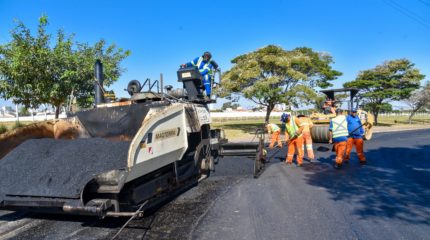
[(354, 110)]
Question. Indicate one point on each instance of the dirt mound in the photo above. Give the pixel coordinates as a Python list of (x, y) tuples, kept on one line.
[(58, 129)]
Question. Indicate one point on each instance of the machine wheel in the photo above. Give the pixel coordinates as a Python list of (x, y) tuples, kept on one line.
[(133, 87), (320, 134), (368, 132), (260, 159), (202, 162)]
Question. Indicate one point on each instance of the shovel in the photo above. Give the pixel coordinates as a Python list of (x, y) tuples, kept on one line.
[(279, 149)]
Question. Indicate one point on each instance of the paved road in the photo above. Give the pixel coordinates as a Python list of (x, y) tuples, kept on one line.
[(387, 199)]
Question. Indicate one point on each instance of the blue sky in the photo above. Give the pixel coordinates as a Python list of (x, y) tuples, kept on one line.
[(163, 34)]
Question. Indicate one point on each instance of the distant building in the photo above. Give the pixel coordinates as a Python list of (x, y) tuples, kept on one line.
[(280, 107)]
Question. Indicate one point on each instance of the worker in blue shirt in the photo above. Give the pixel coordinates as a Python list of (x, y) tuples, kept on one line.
[(205, 67), (355, 138)]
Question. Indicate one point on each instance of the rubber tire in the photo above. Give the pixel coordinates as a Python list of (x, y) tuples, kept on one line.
[(320, 134)]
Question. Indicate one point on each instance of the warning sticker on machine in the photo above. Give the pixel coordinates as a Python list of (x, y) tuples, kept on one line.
[(186, 75), (167, 133)]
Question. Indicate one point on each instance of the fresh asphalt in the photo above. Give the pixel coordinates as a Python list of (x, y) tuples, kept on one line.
[(387, 199)]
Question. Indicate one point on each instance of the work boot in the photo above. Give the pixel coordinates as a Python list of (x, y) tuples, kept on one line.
[(337, 165), (288, 163), (299, 164), (364, 162)]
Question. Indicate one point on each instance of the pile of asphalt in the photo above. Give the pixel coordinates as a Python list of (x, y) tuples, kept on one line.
[(58, 168)]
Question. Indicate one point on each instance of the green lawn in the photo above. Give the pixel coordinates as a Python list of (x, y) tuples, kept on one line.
[(395, 120)]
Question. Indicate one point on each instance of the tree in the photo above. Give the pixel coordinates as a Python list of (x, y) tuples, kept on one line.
[(391, 81), (419, 100), (272, 75), (383, 108), (33, 71)]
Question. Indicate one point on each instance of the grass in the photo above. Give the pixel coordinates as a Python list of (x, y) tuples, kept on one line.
[(6, 126), (398, 120), (3, 128)]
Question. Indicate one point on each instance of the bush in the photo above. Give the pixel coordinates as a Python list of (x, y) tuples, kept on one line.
[(17, 125), (3, 129)]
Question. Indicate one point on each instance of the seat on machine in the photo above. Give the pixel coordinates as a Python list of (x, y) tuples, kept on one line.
[(192, 80)]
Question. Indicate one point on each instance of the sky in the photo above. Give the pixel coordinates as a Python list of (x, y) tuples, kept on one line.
[(163, 34)]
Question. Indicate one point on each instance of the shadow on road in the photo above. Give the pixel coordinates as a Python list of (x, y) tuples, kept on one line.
[(395, 184)]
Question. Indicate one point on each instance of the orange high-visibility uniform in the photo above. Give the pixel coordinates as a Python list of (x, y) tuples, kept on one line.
[(275, 131), (307, 139), (339, 129), (292, 129), (339, 148), (294, 144), (358, 143)]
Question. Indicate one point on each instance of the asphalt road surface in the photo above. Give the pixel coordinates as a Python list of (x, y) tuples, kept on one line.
[(387, 199)]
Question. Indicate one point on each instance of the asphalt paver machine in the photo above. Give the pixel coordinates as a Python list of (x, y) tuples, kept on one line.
[(118, 157)]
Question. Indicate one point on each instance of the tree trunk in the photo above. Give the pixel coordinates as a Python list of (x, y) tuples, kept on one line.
[(57, 111), (375, 113), (412, 115), (268, 111)]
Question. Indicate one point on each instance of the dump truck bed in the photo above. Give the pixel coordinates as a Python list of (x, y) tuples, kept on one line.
[(58, 168)]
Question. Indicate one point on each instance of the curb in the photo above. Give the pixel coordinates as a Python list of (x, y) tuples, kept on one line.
[(399, 130)]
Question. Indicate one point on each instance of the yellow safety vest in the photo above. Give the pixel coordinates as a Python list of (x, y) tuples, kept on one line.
[(271, 127), (340, 127), (292, 127)]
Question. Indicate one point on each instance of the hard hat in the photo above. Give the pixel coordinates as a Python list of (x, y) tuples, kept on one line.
[(354, 110), (284, 117)]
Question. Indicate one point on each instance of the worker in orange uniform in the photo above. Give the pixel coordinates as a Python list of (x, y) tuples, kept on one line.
[(275, 132), (293, 134), (307, 139), (355, 138), (338, 134)]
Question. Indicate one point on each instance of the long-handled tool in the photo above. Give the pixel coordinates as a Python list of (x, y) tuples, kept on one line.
[(279, 149)]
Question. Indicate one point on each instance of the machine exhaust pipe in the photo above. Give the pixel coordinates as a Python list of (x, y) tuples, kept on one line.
[(98, 83)]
